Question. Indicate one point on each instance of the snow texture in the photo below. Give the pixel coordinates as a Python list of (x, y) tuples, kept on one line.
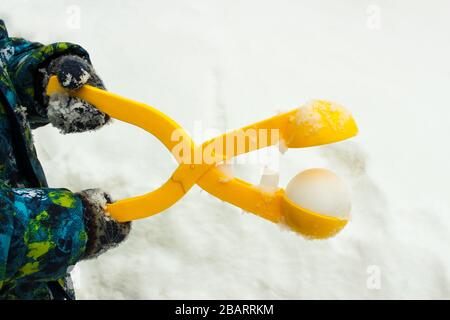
[(229, 64), (314, 114), (72, 71), (71, 114)]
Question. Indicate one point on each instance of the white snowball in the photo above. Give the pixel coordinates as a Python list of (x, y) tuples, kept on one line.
[(321, 191)]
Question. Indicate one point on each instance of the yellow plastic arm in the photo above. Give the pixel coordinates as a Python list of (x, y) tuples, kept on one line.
[(328, 124)]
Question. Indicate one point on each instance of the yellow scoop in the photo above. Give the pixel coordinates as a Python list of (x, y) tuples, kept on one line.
[(321, 122)]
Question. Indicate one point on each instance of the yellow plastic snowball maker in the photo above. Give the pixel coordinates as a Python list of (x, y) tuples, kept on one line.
[(320, 122)]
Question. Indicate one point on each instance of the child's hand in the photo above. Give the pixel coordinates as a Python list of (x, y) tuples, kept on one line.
[(73, 72), (71, 114), (103, 231)]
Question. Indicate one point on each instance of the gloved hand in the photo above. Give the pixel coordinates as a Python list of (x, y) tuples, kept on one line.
[(71, 114), (103, 231)]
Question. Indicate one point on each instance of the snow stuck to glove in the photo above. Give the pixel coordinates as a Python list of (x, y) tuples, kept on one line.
[(73, 72), (104, 232), (71, 114)]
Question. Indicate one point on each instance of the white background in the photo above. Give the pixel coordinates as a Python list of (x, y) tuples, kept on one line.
[(225, 64)]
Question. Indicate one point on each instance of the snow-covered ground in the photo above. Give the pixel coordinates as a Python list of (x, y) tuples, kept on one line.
[(224, 64)]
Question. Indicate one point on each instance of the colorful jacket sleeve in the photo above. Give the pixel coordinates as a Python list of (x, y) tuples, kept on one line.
[(42, 233), (25, 61)]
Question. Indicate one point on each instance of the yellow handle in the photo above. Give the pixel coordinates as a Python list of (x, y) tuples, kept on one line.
[(328, 124)]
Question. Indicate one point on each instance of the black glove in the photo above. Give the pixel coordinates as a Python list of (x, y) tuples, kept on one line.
[(103, 231), (71, 114)]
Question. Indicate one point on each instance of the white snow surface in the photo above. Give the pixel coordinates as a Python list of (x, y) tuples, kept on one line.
[(227, 64)]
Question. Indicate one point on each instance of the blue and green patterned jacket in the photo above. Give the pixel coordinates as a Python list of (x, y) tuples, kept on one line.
[(42, 231)]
